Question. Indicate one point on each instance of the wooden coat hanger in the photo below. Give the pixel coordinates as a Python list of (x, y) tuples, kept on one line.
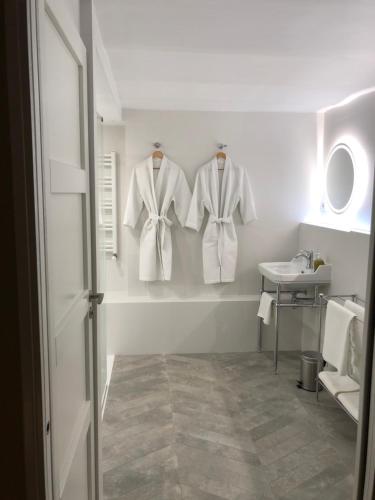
[(220, 155), (159, 155)]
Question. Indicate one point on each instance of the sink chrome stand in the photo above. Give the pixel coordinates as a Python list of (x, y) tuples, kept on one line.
[(277, 320), (260, 346), (309, 302)]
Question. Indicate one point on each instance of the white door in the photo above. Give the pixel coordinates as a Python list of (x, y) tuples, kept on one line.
[(63, 94)]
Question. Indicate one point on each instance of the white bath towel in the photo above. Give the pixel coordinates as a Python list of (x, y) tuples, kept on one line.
[(355, 340), (336, 336), (358, 310), (265, 307)]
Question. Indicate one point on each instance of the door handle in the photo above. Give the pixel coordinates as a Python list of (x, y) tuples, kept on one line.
[(96, 297)]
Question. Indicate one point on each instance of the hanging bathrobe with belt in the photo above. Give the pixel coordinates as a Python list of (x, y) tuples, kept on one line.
[(155, 256), (220, 240)]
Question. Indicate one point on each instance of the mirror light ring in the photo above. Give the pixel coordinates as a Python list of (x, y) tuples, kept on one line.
[(360, 166)]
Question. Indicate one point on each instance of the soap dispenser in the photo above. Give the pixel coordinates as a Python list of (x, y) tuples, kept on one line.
[(318, 261)]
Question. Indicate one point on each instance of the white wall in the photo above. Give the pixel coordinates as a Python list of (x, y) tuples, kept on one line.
[(107, 101), (356, 119), (348, 254), (347, 251), (353, 123), (278, 150)]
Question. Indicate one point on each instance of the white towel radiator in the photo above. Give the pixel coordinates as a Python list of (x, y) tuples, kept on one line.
[(108, 205)]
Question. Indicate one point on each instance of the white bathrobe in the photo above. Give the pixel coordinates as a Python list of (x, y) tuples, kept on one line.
[(220, 240), (155, 256)]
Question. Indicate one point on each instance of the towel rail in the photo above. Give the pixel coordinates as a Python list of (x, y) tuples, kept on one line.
[(343, 297), (319, 382), (354, 297), (318, 301)]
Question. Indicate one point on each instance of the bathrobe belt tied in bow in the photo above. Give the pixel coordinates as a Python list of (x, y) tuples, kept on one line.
[(156, 220), (220, 221), (160, 222), (219, 245), (155, 254)]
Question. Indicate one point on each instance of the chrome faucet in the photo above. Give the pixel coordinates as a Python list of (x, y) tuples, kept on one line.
[(308, 255)]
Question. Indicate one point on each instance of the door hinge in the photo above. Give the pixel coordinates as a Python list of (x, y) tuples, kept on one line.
[(91, 312), (48, 427)]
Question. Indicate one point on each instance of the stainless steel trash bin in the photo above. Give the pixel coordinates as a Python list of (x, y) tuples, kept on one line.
[(311, 365)]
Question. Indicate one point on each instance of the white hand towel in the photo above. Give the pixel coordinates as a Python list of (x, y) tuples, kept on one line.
[(355, 340), (358, 310), (265, 307), (336, 336)]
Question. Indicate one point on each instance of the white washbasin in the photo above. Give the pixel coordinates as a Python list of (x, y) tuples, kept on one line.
[(294, 272)]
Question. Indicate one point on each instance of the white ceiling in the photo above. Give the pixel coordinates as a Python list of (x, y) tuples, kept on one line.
[(238, 55)]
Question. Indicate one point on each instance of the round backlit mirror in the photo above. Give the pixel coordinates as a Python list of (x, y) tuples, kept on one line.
[(340, 178)]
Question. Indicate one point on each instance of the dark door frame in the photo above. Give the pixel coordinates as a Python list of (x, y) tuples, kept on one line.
[(365, 452), (21, 412)]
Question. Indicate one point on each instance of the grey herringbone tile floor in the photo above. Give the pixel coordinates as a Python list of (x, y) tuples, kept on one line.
[(214, 427)]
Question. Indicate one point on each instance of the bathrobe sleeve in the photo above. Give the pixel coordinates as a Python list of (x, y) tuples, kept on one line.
[(134, 204), (196, 211), (246, 199), (181, 198)]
